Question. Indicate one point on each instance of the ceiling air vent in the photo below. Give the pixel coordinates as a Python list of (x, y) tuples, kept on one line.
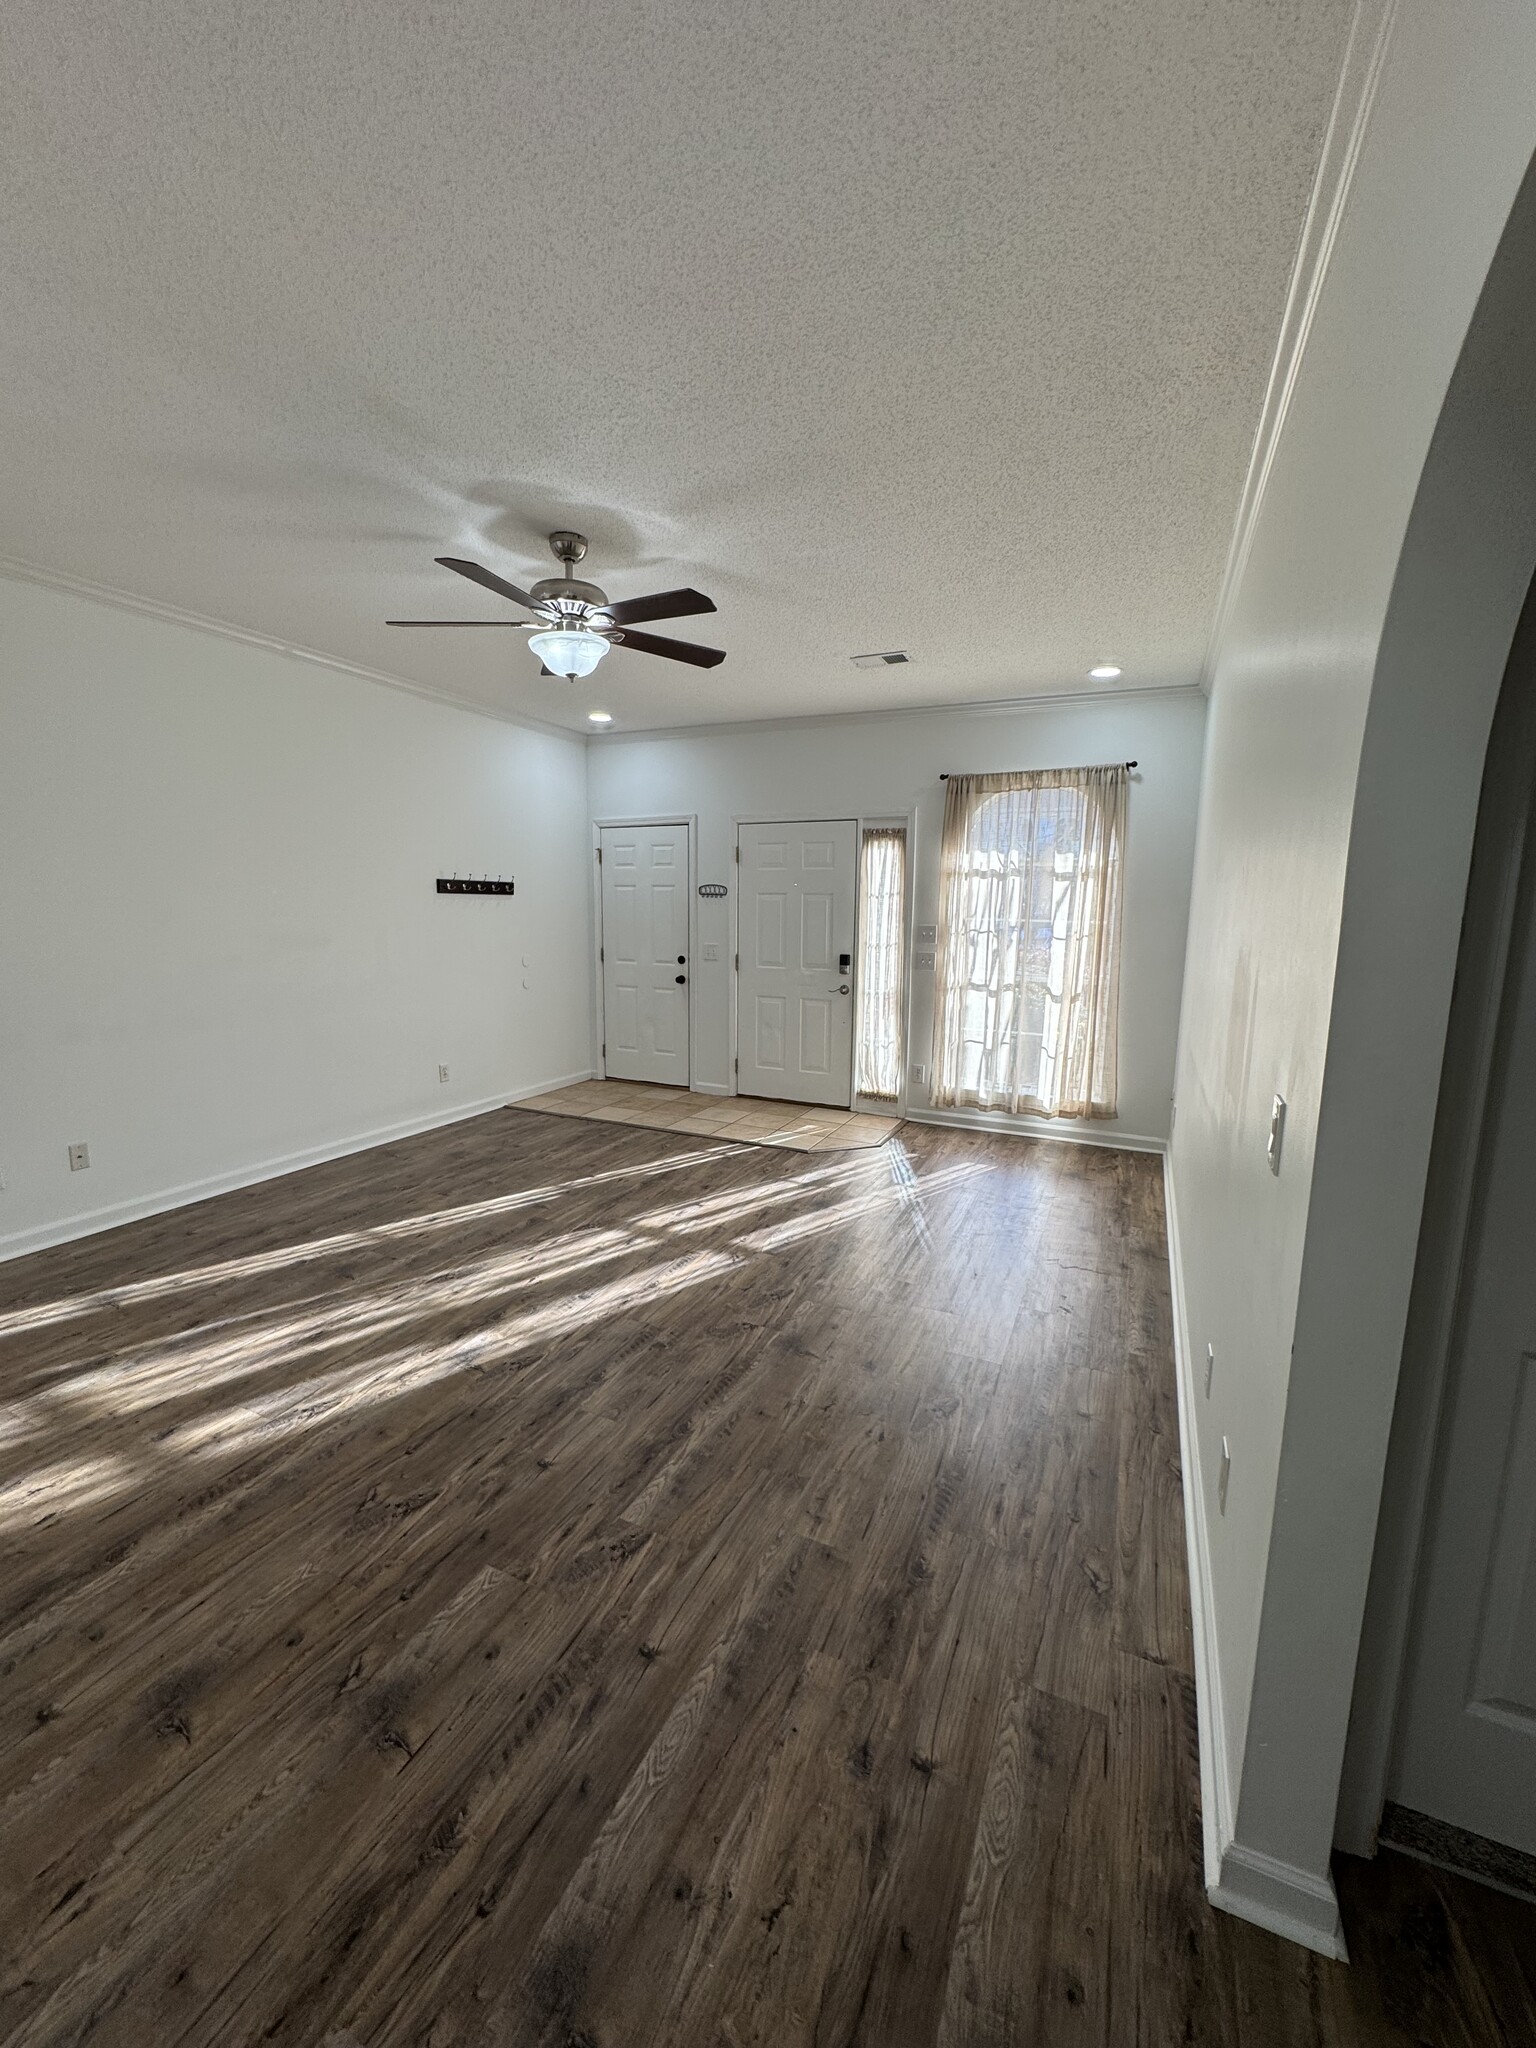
[(893, 659)]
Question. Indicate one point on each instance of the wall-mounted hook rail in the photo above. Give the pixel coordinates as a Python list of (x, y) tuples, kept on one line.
[(467, 885)]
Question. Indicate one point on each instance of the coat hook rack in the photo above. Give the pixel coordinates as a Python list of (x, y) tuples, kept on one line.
[(471, 885)]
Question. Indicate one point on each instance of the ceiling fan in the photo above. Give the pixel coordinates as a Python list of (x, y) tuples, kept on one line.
[(573, 624)]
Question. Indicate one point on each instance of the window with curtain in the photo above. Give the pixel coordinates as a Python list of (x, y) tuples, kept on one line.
[(1027, 997), (882, 896)]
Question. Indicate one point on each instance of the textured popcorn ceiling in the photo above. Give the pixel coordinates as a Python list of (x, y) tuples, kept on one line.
[(935, 327)]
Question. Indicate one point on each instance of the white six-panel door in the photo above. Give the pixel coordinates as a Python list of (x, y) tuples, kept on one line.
[(1466, 1745), (796, 895), (645, 952)]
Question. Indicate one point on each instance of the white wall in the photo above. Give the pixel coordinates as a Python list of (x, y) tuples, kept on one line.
[(883, 767), (221, 951), (1344, 746)]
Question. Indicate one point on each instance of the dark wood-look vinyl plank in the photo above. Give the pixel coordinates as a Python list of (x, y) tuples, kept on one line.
[(555, 1581)]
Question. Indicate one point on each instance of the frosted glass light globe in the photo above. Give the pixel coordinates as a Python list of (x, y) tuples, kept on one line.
[(569, 652)]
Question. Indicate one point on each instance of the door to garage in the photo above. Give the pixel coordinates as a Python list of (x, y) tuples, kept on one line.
[(645, 961), (795, 993)]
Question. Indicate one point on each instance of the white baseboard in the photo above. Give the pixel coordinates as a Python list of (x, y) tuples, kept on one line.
[(1238, 1879), (1290, 1902), (1002, 1126), (90, 1221)]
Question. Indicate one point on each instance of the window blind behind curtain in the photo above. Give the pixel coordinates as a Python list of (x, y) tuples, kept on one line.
[(882, 911), (1027, 1001)]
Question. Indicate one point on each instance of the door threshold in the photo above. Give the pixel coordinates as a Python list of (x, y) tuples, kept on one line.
[(1448, 1847)]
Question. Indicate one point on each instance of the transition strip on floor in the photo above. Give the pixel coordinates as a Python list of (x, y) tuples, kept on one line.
[(748, 1120)]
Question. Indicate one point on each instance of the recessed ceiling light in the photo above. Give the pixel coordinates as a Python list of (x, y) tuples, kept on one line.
[(599, 718), (1104, 673)]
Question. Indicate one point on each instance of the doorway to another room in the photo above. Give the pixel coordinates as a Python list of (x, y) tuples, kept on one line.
[(645, 951)]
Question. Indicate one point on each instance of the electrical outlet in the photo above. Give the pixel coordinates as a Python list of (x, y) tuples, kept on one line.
[(1226, 1474), (927, 935), (917, 1074), (79, 1158), (1210, 1367), (922, 960), (442, 1072), (1276, 1133)]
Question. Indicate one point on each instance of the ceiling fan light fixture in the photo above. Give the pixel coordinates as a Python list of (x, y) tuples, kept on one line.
[(569, 651), (599, 718)]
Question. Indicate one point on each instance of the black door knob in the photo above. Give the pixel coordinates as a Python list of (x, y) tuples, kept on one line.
[(681, 978)]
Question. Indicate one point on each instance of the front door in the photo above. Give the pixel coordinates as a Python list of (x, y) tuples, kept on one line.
[(645, 952), (795, 993)]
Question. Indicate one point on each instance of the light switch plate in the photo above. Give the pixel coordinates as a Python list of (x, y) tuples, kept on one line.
[(1276, 1133), (711, 952)]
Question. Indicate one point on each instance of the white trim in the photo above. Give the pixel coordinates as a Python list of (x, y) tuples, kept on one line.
[(199, 622), (1216, 1801), (966, 707), (1359, 76), (1062, 1131), (92, 1221), (1294, 1903)]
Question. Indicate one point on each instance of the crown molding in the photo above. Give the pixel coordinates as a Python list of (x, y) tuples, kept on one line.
[(174, 615), (1365, 55), (973, 707)]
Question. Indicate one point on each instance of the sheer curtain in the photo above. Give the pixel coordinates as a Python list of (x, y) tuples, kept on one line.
[(1028, 984), (882, 898)]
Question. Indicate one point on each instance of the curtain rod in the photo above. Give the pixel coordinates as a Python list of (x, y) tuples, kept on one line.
[(1032, 771)]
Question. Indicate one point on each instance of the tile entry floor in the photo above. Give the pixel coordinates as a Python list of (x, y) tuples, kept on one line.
[(800, 1126)]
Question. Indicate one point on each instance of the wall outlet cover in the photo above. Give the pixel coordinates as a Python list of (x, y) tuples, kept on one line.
[(79, 1158), (442, 1072), (927, 935), (922, 960)]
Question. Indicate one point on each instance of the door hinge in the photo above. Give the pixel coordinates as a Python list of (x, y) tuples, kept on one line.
[(601, 954), (736, 1065), (737, 856), (599, 856)]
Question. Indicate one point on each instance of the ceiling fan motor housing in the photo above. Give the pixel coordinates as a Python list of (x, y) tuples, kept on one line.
[(567, 594)]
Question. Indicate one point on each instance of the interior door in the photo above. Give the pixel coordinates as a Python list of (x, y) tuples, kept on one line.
[(645, 952), (796, 897), (1466, 1748)]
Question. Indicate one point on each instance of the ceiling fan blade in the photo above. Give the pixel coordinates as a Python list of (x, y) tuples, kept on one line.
[(487, 579), (665, 604), (507, 625), (674, 650)]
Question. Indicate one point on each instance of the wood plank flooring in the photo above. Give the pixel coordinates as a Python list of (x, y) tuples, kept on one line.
[(547, 1582)]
